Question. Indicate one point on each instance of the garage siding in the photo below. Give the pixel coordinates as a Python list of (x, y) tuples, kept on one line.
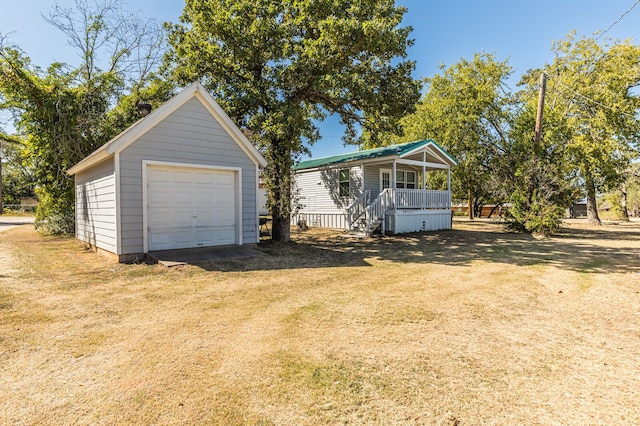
[(96, 206), (190, 135)]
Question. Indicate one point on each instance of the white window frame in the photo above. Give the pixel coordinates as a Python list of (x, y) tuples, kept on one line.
[(382, 179), (401, 179), (341, 181)]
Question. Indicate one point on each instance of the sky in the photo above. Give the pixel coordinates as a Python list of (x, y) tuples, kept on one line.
[(445, 31)]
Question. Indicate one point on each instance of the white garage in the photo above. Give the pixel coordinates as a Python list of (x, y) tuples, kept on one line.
[(184, 176)]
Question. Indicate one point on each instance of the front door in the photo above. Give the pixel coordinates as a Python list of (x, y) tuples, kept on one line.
[(385, 179)]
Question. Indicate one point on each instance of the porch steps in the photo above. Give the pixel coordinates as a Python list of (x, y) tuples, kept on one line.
[(364, 231)]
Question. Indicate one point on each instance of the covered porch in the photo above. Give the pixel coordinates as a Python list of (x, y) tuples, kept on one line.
[(397, 210), (404, 201)]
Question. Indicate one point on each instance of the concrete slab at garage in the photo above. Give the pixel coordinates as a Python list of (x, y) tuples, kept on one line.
[(171, 258)]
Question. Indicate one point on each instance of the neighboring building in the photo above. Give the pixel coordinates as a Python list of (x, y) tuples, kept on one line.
[(381, 188), (486, 211), (28, 204), (262, 199), (183, 176), (577, 209)]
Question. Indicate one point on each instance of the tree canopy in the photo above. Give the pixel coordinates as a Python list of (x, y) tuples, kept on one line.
[(278, 68), (591, 93), (466, 108), (590, 128), (63, 113)]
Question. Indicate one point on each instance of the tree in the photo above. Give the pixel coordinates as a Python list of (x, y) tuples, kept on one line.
[(591, 90), (539, 180), (467, 108), (64, 113), (632, 189), (17, 179), (278, 67)]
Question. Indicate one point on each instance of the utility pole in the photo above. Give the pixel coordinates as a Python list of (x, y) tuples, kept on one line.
[(536, 139), (543, 87)]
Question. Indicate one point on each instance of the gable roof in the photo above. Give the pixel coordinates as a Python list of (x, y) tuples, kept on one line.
[(140, 127), (399, 151)]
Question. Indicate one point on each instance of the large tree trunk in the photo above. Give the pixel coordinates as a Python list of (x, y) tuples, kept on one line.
[(623, 202), (592, 208), (281, 229), (470, 204), (278, 177)]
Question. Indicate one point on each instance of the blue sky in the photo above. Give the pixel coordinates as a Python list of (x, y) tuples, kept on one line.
[(444, 31)]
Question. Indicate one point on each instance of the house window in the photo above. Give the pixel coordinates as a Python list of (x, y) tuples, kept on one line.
[(343, 182), (400, 179), (410, 180), (405, 179)]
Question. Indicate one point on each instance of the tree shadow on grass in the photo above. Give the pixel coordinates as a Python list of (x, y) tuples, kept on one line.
[(603, 250)]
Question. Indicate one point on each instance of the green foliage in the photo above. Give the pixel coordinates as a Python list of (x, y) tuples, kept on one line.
[(541, 183), (590, 128), (590, 92), (17, 179), (277, 68), (63, 113), (539, 196), (466, 109), (53, 215), (59, 122), (633, 190), (613, 203), (540, 216)]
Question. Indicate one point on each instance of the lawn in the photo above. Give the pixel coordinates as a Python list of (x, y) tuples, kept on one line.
[(465, 327)]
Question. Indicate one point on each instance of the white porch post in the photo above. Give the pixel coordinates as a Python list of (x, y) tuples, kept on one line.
[(393, 182), (424, 169), (393, 175), (424, 178), (449, 185)]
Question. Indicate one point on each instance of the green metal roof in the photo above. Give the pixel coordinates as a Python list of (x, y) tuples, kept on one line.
[(385, 151)]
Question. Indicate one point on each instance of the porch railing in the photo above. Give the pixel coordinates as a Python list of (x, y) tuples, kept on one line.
[(377, 209), (356, 212), (419, 199), (365, 215)]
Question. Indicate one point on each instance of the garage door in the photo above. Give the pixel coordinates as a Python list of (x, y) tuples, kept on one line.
[(190, 207)]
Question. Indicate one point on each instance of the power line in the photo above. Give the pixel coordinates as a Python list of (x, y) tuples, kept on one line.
[(593, 100), (618, 20)]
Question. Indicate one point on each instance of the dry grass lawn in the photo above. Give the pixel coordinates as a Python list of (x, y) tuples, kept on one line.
[(468, 327)]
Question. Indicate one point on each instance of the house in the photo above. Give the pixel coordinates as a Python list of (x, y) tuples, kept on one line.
[(182, 176), (382, 188)]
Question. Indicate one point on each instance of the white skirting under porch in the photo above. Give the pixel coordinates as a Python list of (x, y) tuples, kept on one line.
[(396, 222)]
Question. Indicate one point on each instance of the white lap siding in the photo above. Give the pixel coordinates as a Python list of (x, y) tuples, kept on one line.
[(318, 197), (319, 189), (96, 206)]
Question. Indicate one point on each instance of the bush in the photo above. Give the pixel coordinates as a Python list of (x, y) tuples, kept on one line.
[(55, 217), (541, 217)]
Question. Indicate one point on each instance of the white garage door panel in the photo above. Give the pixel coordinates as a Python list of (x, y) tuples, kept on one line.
[(190, 207)]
